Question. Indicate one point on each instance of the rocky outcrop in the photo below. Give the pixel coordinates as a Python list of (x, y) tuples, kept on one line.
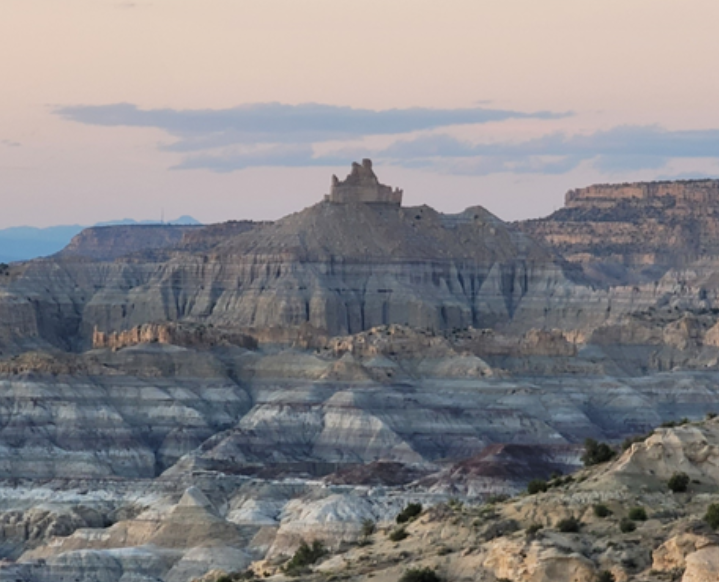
[(362, 187), (342, 268), (186, 335), (635, 231)]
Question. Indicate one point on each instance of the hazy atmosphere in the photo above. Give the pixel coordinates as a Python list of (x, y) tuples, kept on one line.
[(232, 109)]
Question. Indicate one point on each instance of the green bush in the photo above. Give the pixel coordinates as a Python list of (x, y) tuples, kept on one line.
[(398, 534), (638, 514), (675, 423), (533, 529), (304, 557), (368, 527), (601, 510), (596, 453), (536, 486), (629, 441), (409, 513), (605, 576), (627, 525), (420, 575), (678, 482), (712, 515), (497, 498), (569, 525)]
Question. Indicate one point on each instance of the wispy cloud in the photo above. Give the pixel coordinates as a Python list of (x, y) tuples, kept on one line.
[(202, 129), (624, 148), (288, 156), (275, 134), (618, 149), (9, 143)]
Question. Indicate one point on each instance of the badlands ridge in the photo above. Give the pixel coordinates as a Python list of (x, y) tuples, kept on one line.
[(180, 400)]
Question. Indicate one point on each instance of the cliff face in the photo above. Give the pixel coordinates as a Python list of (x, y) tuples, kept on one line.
[(172, 333), (643, 226), (338, 267)]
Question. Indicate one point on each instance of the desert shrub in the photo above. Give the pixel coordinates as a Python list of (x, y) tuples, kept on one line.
[(627, 525), (637, 514), (596, 453), (444, 550), (675, 423), (455, 504), (224, 578), (536, 486), (678, 482), (629, 441), (305, 556), (411, 511), (712, 515), (601, 510), (398, 534), (497, 498), (533, 529), (569, 525), (420, 575), (711, 415), (605, 576), (368, 527), (499, 529)]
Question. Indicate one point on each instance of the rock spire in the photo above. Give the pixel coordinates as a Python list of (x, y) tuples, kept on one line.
[(362, 186)]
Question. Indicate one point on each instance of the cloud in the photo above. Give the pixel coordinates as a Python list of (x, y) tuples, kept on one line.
[(280, 135), (9, 143), (687, 176), (619, 149), (288, 156), (202, 129)]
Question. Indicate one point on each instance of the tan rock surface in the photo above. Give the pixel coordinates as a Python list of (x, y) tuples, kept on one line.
[(702, 565)]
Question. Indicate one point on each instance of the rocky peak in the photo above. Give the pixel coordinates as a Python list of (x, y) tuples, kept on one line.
[(362, 185)]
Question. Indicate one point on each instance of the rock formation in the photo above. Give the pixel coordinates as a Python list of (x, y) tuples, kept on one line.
[(338, 267), (362, 187), (644, 227), (201, 401), (186, 335)]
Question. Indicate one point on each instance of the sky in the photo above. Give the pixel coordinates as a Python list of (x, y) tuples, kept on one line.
[(243, 109)]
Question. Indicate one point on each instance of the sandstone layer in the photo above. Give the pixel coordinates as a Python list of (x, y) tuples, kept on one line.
[(627, 231)]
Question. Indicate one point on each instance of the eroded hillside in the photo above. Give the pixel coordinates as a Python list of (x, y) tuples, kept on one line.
[(207, 399)]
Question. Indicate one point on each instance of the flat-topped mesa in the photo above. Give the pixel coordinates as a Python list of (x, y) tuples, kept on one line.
[(680, 194), (362, 186)]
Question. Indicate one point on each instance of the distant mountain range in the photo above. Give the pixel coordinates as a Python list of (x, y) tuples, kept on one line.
[(21, 243)]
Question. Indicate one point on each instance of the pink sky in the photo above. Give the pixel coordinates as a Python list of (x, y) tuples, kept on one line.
[(638, 77)]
